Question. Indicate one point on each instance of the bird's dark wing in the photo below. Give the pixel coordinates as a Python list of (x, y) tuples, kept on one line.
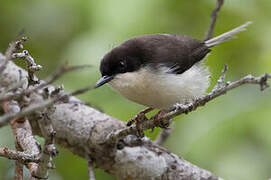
[(179, 66), (178, 52)]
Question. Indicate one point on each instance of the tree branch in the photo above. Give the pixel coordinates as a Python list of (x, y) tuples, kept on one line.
[(19, 167), (91, 174), (49, 80), (22, 157), (32, 67), (214, 15), (19, 171), (24, 138), (12, 48), (49, 149), (4, 120)]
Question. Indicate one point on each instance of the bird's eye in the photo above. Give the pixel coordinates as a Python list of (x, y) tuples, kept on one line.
[(122, 63)]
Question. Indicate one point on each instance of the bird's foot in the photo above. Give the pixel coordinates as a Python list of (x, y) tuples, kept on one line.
[(138, 119), (161, 123), (141, 116)]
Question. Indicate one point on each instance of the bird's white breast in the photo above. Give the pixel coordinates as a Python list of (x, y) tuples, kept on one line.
[(159, 89)]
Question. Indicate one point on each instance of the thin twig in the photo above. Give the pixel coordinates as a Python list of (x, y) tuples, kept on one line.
[(91, 174), (32, 67), (19, 167), (221, 79), (26, 111), (18, 171), (4, 120), (23, 134), (81, 91), (60, 72), (12, 48), (214, 15), (22, 157)]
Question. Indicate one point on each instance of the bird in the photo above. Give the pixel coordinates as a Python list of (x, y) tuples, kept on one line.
[(161, 70)]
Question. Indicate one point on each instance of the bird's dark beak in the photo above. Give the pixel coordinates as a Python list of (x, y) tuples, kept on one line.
[(103, 80)]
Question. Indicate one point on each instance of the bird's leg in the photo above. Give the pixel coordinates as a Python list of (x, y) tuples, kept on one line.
[(161, 113), (139, 117)]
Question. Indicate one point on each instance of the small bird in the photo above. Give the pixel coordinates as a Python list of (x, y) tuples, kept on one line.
[(160, 70)]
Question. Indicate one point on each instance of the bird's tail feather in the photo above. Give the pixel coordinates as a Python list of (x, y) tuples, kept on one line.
[(226, 36)]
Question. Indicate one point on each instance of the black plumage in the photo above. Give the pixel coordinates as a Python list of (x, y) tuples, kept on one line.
[(177, 52)]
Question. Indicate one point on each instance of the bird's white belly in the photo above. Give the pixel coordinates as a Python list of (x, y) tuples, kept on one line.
[(161, 89)]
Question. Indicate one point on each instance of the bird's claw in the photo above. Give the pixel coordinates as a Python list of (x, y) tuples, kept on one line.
[(138, 119), (161, 123)]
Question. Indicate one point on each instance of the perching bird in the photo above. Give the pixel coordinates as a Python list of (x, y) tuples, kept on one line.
[(160, 70)]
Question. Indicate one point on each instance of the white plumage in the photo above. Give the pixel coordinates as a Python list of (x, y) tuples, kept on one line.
[(160, 89)]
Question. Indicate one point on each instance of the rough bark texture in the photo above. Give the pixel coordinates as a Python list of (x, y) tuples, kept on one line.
[(83, 130)]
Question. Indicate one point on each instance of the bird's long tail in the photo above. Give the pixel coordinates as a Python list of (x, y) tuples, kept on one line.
[(226, 36)]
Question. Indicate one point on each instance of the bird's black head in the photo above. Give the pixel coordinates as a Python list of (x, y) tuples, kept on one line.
[(122, 59)]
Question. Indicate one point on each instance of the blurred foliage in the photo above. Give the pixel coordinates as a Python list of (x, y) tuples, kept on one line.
[(230, 136)]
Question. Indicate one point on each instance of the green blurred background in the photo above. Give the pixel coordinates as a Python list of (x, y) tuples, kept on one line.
[(230, 136)]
